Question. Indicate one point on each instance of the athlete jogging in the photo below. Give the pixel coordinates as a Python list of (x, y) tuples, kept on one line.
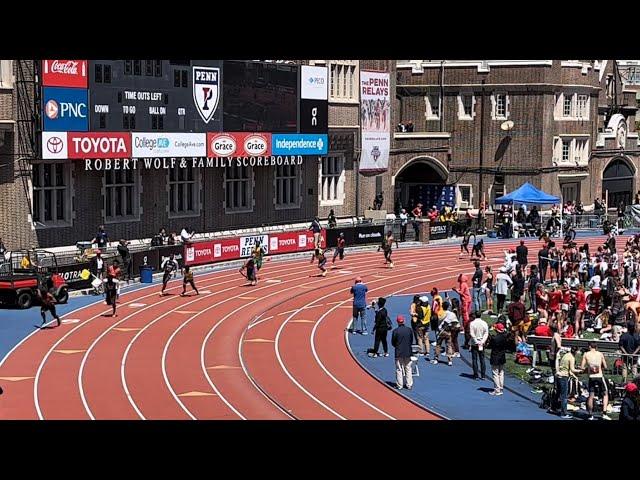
[(48, 304), (464, 246), (170, 266), (318, 254), (386, 246), (251, 275), (111, 293), (339, 249), (258, 254), (187, 277), (478, 250)]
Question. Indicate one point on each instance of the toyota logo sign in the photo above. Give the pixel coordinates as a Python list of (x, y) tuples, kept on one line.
[(55, 144)]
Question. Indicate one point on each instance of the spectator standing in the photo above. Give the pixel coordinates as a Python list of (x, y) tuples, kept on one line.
[(359, 292), (448, 326), (629, 346), (594, 363), (158, 238), (502, 287), (125, 255), (381, 328), (498, 344), (522, 253), (465, 306), (186, 236), (98, 265), (543, 262), (417, 214), (566, 370), (532, 286), (422, 329), (519, 320), (404, 220), (317, 230), (402, 339), (331, 219), (476, 287), (101, 238), (629, 410), (172, 238), (479, 331)]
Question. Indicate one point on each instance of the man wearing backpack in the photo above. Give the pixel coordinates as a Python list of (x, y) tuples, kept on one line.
[(422, 327), (381, 327)]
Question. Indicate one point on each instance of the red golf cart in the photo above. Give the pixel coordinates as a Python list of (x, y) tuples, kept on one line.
[(25, 272)]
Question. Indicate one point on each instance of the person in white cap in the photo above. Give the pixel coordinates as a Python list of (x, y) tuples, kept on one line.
[(503, 281)]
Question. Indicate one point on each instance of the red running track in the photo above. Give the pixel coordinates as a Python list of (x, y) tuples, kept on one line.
[(275, 351)]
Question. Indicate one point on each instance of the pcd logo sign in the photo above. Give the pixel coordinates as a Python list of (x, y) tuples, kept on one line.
[(65, 109)]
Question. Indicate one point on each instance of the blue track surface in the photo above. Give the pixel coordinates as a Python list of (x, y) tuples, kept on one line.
[(450, 391)]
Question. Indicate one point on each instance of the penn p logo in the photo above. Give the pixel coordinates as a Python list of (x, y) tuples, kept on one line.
[(206, 91)]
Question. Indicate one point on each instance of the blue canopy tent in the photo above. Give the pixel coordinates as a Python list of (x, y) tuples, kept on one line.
[(528, 194)]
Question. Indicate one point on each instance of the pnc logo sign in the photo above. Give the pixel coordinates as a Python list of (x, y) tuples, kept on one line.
[(65, 109)]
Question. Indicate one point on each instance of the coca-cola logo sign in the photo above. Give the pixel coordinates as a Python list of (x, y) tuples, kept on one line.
[(99, 145), (64, 73)]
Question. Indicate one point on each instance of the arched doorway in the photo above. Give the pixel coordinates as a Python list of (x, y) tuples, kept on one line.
[(617, 180), (422, 179)]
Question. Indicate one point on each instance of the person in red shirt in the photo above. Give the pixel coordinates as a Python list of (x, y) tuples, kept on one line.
[(581, 307), (417, 214), (543, 330), (555, 297), (465, 306), (542, 301)]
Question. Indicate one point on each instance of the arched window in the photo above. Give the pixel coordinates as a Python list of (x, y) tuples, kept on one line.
[(618, 168)]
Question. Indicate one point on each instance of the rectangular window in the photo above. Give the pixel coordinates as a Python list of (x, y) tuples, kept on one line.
[(332, 179), (51, 192), (121, 195), (343, 80), (137, 67), (287, 186), (582, 109), (501, 105), (465, 106), (184, 191), (465, 192), (127, 67), (158, 68), (238, 189), (566, 148), (432, 106), (148, 71), (566, 109), (107, 74), (98, 73)]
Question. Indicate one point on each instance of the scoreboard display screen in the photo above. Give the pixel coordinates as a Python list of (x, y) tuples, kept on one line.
[(260, 97), (155, 95)]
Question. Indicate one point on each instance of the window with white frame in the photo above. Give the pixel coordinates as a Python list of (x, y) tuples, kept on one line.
[(567, 109), (6, 73), (566, 147), (238, 184), (51, 193), (432, 106), (287, 186), (184, 191), (465, 193), (572, 150), (466, 104), (332, 178), (343, 80), (121, 195), (500, 106), (571, 106), (581, 106)]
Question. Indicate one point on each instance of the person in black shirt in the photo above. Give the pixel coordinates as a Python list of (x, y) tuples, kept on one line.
[(534, 280), (611, 243), (170, 266), (339, 251), (521, 254), (123, 251), (629, 346), (517, 289), (476, 282), (381, 328), (47, 304), (101, 237), (316, 229), (543, 262), (332, 219)]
